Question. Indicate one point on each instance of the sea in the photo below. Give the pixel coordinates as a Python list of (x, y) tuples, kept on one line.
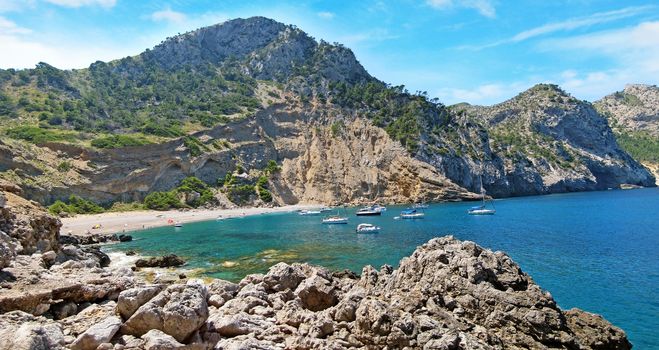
[(597, 251)]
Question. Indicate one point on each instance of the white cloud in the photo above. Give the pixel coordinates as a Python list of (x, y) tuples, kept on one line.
[(375, 35), (325, 15), (27, 53), (567, 25), (634, 51), (9, 27), (80, 3), (579, 22), (168, 15), (484, 7), (15, 5), (485, 94)]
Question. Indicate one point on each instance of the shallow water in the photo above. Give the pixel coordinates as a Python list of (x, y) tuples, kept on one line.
[(598, 251)]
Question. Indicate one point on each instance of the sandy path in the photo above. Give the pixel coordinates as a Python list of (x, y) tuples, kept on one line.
[(138, 220)]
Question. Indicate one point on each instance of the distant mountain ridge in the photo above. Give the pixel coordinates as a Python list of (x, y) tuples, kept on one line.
[(309, 106)]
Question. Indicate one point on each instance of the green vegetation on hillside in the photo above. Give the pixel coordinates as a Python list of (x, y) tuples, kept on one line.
[(38, 135), (134, 93), (641, 146), (118, 141), (75, 205), (403, 115)]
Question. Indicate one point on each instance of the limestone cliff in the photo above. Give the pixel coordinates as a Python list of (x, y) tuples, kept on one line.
[(358, 163)]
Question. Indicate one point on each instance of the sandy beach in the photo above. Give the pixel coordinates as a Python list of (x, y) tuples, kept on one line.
[(139, 220)]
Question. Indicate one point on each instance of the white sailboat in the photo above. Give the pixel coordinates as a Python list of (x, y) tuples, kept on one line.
[(481, 209)]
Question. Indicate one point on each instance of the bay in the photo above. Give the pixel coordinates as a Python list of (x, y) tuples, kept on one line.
[(598, 251)]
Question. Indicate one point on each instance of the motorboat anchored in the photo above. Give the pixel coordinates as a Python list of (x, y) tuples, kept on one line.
[(420, 206), (412, 214), (309, 212), (367, 228), (371, 211), (334, 220)]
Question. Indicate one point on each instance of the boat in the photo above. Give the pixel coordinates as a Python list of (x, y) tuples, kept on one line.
[(412, 214), (309, 212), (367, 228), (334, 220), (420, 206), (481, 209), (325, 209), (371, 211), (178, 224)]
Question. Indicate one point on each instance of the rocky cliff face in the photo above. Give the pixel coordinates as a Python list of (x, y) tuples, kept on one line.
[(355, 163), (541, 141), (447, 295)]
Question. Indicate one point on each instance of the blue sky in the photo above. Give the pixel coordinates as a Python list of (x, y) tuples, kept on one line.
[(479, 51)]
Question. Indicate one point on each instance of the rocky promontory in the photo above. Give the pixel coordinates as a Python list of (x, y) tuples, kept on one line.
[(448, 294)]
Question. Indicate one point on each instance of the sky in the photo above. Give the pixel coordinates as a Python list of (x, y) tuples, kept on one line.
[(476, 51)]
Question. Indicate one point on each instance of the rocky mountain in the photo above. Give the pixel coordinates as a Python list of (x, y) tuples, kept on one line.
[(634, 117), (223, 102), (541, 141)]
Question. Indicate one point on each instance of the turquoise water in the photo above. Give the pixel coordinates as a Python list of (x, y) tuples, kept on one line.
[(598, 251)]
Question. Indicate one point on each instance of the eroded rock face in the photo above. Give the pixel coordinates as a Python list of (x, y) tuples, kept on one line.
[(29, 225)]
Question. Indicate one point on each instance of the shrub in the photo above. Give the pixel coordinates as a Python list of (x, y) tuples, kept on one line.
[(336, 128), (241, 194), (38, 135), (227, 181), (195, 146), (118, 141), (192, 184), (64, 166), (82, 206), (121, 206), (272, 168), (58, 208), (265, 195), (76, 205), (162, 200)]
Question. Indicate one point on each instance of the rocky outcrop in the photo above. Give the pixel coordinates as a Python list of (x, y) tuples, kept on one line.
[(447, 295), (29, 226), (163, 261)]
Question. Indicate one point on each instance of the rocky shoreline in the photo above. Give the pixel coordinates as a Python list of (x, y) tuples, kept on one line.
[(447, 295)]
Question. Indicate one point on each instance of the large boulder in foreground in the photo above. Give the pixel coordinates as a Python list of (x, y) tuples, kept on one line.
[(179, 311)]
